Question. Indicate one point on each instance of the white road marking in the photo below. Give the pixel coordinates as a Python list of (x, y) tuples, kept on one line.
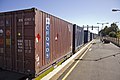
[(90, 49), (75, 64)]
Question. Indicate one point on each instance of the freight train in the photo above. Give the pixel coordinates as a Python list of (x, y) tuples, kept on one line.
[(32, 40)]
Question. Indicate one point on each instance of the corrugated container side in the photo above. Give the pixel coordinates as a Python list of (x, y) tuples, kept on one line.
[(2, 43), (25, 39), (39, 56), (91, 36), (55, 39), (31, 40), (51, 39), (59, 36), (86, 36), (6, 45), (17, 41), (2, 40), (83, 36), (60, 39), (78, 36)]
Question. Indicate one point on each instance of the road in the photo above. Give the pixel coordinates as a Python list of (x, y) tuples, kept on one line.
[(101, 62), (8, 75)]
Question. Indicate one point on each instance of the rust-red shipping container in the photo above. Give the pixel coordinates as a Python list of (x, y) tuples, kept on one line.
[(31, 40)]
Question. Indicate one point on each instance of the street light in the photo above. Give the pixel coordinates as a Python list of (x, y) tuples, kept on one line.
[(102, 24), (114, 10), (116, 22)]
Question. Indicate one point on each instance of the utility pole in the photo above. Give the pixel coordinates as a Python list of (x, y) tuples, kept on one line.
[(92, 27)]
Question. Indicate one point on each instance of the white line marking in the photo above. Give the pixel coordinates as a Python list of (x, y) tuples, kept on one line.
[(90, 49), (75, 65)]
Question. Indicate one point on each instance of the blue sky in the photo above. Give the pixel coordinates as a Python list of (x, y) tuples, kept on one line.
[(81, 12)]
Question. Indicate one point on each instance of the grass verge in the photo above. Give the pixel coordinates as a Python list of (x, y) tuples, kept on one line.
[(47, 71)]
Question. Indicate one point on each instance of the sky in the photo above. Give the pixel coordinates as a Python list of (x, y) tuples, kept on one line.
[(80, 12)]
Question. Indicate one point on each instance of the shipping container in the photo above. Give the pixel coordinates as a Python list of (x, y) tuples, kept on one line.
[(31, 40), (86, 36), (78, 37), (91, 36)]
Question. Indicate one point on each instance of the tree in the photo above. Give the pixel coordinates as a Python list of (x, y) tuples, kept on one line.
[(118, 34), (102, 32), (114, 28), (107, 30), (112, 31), (112, 34)]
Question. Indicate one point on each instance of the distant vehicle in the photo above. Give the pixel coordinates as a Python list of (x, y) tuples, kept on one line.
[(104, 40)]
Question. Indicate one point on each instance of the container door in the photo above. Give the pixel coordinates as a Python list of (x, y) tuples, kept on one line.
[(19, 43), (29, 40), (24, 35), (5, 38), (8, 39), (2, 42)]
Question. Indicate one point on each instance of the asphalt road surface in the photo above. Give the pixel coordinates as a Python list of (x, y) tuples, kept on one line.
[(101, 62)]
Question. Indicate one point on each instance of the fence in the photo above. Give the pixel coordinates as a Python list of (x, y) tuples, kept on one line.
[(116, 41)]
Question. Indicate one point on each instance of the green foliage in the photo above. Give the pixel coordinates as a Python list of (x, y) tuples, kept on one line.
[(112, 34), (44, 74), (48, 71), (112, 31), (118, 34), (114, 28)]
